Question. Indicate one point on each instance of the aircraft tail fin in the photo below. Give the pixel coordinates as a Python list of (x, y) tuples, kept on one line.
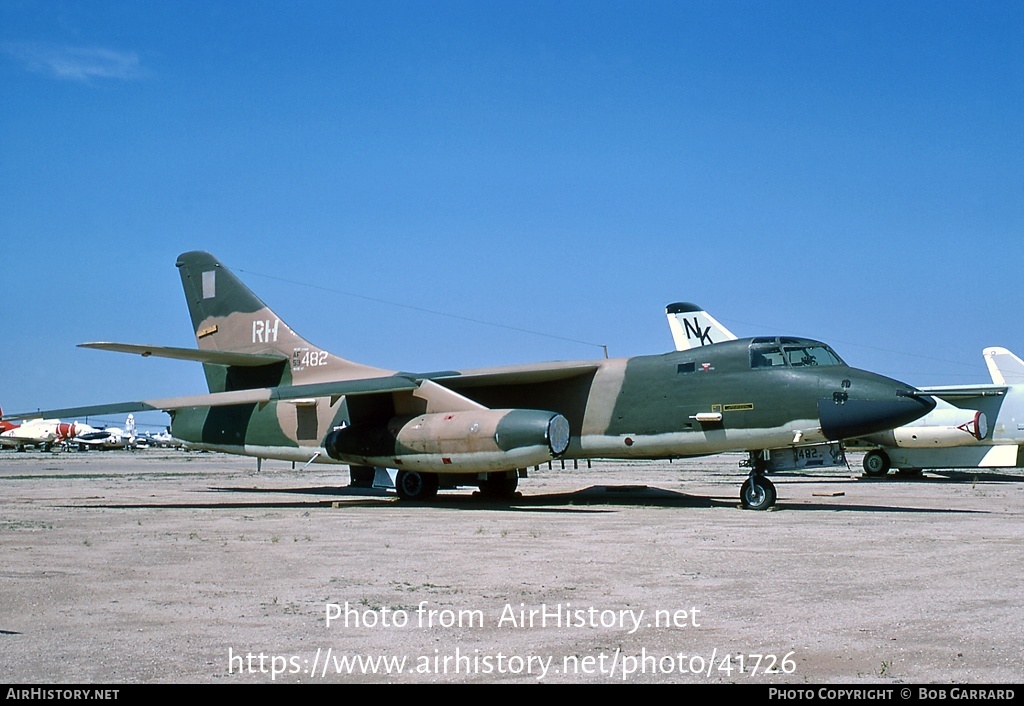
[(692, 327), (228, 317), (1004, 367)]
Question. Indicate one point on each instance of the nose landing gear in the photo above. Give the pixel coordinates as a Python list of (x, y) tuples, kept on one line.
[(757, 492)]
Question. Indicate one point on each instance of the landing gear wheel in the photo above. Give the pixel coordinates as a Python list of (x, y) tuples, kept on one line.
[(757, 493), (499, 485), (876, 464), (413, 485)]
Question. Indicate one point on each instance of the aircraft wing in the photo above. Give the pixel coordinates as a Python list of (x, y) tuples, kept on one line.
[(514, 375), (948, 392), (440, 396), (194, 354), (262, 395)]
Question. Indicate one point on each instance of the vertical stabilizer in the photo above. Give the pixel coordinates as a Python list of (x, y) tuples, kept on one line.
[(1004, 367), (228, 317), (692, 327)]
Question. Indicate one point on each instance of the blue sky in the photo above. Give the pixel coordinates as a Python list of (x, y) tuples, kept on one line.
[(852, 172)]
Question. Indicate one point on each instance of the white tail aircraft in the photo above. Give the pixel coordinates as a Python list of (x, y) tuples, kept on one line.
[(972, 426), (692, 327)]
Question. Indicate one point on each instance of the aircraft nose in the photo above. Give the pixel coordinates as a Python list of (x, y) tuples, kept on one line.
[(867, 403)]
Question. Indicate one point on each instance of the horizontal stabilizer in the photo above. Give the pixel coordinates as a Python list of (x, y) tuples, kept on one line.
[(193, 354), (514, 375)]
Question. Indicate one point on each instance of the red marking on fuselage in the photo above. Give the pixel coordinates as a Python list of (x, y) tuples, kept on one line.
[(7, 426)]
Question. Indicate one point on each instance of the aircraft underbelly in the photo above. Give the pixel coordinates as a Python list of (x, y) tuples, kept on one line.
[(291, 426), (298, 454), (975, 456), (693, 443)]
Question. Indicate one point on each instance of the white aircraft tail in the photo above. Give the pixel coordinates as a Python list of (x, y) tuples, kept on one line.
[(1004, 367), (692, 327)]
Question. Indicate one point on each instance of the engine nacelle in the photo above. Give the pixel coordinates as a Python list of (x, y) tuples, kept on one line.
[(953, 428), (474, 441)]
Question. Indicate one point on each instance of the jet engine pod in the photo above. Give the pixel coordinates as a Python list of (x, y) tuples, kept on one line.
[(952, 428), (473, 441)]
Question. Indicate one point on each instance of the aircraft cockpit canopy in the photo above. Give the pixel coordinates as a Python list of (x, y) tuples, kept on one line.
[(793, 352)]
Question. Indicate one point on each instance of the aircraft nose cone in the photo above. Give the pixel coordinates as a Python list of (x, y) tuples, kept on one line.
[(876, 406)]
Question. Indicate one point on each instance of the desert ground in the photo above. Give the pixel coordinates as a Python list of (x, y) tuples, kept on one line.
[(173, 567)]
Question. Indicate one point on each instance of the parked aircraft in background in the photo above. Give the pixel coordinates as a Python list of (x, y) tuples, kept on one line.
[(156, 440), (973, 426), (275, 395), (7, 426), (106, 438), (48, 433), (41, 433)]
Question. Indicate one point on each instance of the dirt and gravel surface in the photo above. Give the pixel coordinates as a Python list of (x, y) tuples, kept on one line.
[(164, 566)]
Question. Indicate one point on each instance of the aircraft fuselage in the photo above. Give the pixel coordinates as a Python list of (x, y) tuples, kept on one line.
[(703, 401)]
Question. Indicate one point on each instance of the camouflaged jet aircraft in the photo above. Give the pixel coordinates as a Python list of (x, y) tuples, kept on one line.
[(272, 394)]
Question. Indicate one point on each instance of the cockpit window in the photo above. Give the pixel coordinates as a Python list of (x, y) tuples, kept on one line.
[(766, 357), (799, 356), (792, 352)]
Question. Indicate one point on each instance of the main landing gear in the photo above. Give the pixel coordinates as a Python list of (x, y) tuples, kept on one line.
[(499, 486), (876, 463), (420, 486), (413, 485)]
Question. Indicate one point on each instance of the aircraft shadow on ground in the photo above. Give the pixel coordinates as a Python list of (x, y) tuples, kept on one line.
[(951, 476), (931, 475), (599, 498)]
